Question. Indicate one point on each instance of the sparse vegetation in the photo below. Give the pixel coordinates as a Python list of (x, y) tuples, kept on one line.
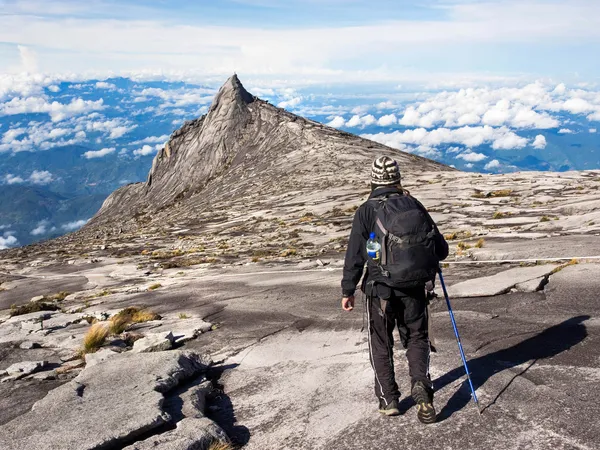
[(154, 286), (480, 243), (562, 266), (462, 234), (46, 303), (462, 246), (32, 307), (500, 193), (186, 262), (184, 316), (59, 297), (219, 445), (478, 194), (120, 321), (499, 215), (289, 252), (94, 338), (545, 219)]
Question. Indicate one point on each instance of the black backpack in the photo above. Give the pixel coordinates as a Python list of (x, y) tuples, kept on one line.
[(407, 237)]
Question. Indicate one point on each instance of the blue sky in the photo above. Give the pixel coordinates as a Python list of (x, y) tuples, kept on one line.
[(306, 41)]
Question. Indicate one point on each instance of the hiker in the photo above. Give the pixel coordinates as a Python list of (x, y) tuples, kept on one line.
[(411, 247)]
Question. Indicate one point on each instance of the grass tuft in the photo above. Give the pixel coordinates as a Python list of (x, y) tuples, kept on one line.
[(184, 316), (501, 193), (498, 215), (94, 338), (289, 252), (545, 219), (154, 286), (219, 445), (118, 323), (463, 246), (480, 243)]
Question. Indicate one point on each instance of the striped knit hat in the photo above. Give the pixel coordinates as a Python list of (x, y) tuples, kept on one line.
[(385, 171)]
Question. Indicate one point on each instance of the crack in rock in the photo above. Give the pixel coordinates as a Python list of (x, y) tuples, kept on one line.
[(123, 400)]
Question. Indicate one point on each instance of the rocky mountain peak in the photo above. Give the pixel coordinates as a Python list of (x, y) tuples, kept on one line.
[(232, 91), (245, 148)]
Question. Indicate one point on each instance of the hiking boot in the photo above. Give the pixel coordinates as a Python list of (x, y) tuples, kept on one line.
[(423, 397), (391, 409)]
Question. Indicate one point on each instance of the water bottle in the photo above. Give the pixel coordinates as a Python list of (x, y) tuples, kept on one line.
[(373, 247)]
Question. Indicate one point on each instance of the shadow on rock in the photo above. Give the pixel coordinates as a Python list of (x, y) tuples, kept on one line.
[(221, 409), (548, 343)]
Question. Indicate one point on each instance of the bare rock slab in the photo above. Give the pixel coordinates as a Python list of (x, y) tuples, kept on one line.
[(154, 342), (534, 285), (91, 359), (190, 434), (105, 404), (500, 283)]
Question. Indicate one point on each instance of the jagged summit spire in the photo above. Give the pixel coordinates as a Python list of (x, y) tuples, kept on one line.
[(233, 89)]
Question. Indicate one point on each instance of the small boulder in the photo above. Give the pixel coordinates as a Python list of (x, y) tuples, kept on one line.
[(154, 342), (29, 345), (37, 298), (25, 368)]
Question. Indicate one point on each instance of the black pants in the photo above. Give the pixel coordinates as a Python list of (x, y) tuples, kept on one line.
[(406, 310)]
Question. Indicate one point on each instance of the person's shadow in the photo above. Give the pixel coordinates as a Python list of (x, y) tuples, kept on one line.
[(548, 343)]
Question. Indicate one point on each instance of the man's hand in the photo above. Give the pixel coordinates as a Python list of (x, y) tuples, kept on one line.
[(348, 303)]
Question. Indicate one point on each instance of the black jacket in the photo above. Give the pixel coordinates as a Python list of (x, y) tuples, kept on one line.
[(362, 226)]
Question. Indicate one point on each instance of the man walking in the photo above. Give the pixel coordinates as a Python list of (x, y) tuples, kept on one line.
[(404, 251)]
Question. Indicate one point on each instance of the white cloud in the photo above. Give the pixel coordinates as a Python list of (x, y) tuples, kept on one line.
[(53, 88), (361, 121), (472, 157), (39, 136), (41, 228), (493, 164), (386, 105), (175, 98), (105, 85), (262, 92), (99, 153), (152, 140), (498, 138), (514, 107), (147, 150), (387, 120), (290, 103), (565, 131), (72, 226), (7, 240), (28, 59), (57, 111), (592, 130), (41, 177), (292, 50), (539, 142), (118, 132), (114, 128), (469, 165), (337, 122), (13, 179), (508, 142)]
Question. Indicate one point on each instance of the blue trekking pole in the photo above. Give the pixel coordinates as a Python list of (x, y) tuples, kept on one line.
[(460, 347)]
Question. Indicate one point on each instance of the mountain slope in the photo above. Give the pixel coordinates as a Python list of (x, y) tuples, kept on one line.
[(246, 167), (245, 146)]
